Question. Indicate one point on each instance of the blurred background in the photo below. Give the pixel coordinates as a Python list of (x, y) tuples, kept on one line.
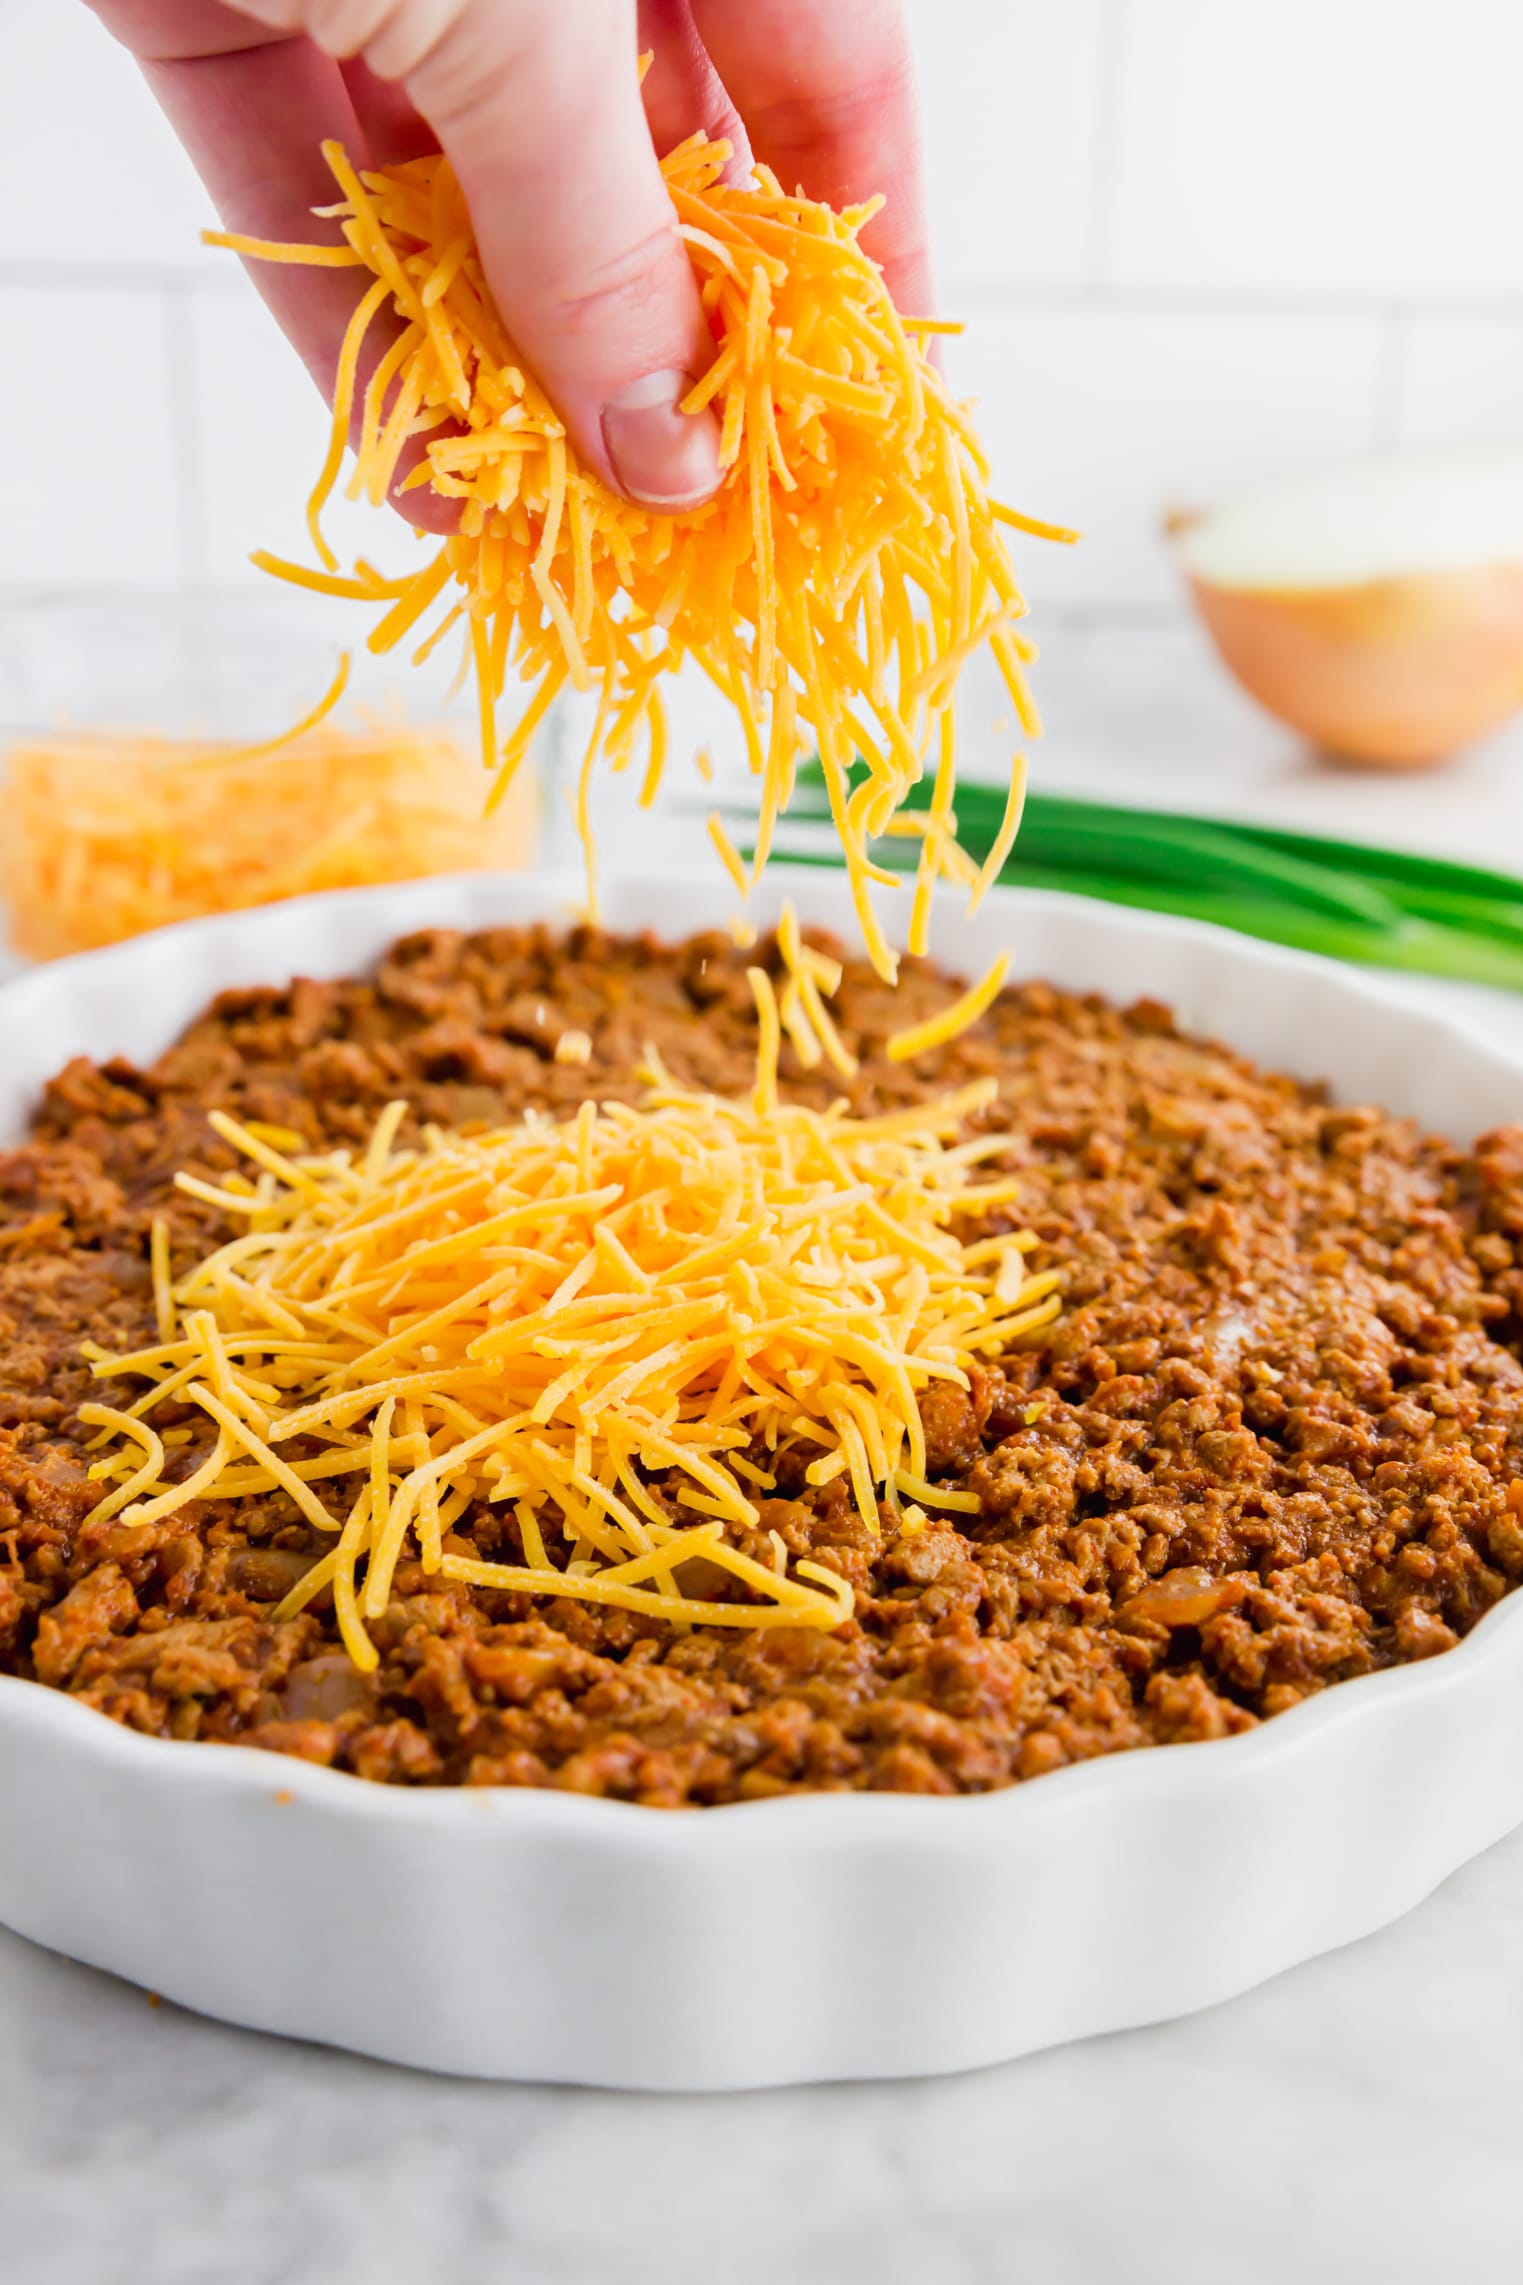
[(1197, 245)]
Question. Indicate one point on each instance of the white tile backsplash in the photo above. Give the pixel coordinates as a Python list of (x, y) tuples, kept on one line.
[(1311, 147), (1008, 94), (92, 493), (1197, 241), (1460, 376), (263, 432), (89, 172), (1109, 418)]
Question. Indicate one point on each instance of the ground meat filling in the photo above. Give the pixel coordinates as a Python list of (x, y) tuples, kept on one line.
[(1272, 1443)]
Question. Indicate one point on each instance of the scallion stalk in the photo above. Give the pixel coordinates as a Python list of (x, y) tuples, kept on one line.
[(1380, 907)]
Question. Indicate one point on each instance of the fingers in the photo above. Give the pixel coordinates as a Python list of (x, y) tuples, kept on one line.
[(682, 90), (537, 104), (828, 98), (388, 120), (539, 109), (252, 108)]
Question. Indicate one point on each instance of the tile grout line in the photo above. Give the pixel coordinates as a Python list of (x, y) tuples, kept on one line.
[(996, 299), (1391, 370), (982, 295), (189, 455), (1105, 109), (1066, 617), (62, 276)]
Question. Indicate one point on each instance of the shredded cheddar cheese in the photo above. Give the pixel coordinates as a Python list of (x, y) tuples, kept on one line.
[(107, 836), (605, 1334), (938, 1030), (849, 566)]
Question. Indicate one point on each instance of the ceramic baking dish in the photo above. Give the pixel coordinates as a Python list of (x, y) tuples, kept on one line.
[(544, 1936)]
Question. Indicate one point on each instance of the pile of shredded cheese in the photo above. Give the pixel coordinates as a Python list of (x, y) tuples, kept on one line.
[(106, 836), (611, 1327), (848, 567)]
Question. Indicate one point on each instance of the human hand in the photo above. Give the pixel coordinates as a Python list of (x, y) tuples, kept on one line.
[(538, 105)]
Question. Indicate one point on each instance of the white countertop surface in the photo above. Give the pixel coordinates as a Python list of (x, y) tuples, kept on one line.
[(1359, 2118)]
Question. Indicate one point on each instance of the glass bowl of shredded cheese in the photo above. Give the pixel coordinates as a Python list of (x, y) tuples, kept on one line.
[(166, 758)]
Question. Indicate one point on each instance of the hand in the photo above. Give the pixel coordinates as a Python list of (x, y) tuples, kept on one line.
[(538, 106)]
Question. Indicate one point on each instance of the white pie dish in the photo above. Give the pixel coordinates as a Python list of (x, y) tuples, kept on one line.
[(543, 1936)]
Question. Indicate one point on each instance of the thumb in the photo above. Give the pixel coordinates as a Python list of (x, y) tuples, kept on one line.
[(537, 105)]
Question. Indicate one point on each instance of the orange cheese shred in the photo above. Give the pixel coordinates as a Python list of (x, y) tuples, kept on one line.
[(607, 1330), (849, 564), (937, 1030), (106, 836)]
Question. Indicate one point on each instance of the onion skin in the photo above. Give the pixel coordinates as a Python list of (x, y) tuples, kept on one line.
[(1396, 673)]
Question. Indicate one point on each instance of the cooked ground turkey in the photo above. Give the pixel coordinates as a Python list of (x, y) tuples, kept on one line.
[(1272, 1443)]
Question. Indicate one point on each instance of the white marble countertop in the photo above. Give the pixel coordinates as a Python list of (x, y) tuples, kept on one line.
[(1359, 2118)]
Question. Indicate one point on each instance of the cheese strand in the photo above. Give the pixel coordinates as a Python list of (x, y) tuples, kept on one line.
[(849, 565), (604, 1339)]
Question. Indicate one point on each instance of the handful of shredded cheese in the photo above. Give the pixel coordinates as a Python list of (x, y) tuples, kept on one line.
[(107, 836), (848, 567), (611, 1328)]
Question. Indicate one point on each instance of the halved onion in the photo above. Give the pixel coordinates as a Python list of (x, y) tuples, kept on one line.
[(1376, 607)]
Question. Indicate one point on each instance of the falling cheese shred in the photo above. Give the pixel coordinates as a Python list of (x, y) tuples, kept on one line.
[(951, 1021), (848, 567), (602, 1337)]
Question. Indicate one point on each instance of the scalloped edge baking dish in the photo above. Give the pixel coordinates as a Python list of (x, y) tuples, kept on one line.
[(544, 1936)]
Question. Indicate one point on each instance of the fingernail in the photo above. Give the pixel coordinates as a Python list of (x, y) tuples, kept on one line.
[(661, 456)]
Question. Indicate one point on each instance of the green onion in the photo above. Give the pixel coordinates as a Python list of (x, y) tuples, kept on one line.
[(1381, 907)]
